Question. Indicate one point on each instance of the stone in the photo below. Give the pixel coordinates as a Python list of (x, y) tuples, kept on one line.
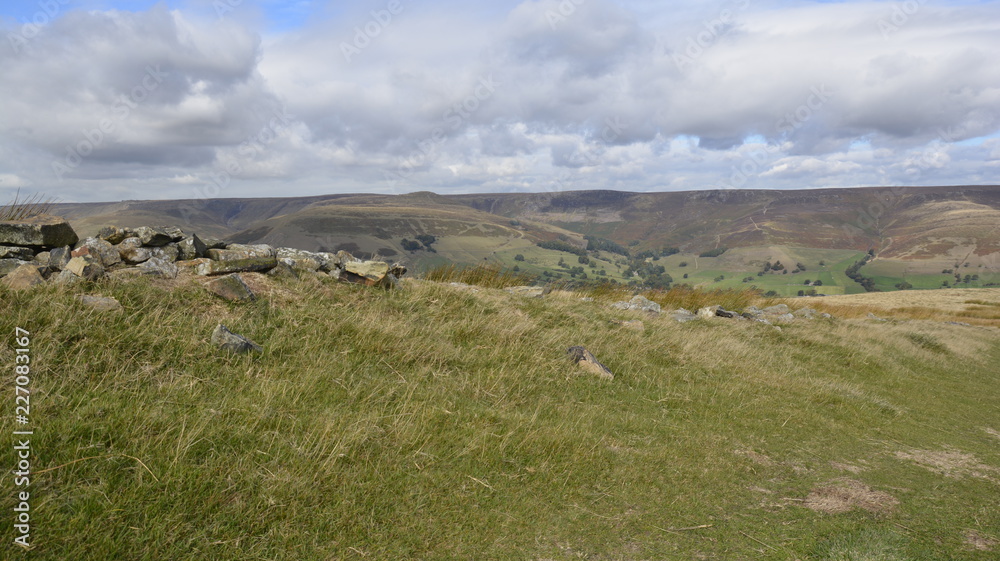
[(153, 237), (106, 253), (191, 266), (100, 303), (231, 287), (807, 313), (59, 257), (527, 291), (778, 310), (214, 243), (8, 266), (85, 267), (723, 313), (14, 252), (328, 261), (588, 363), (115, 235), (191, 248), (640, 303), (875, 317), (132, 252), (157, 267), (175, 233), (681, 315), (225, 339), (168, 253), (708, 312), (238, 258), (24, 277), (38, 231), (283, 271), (371, 273), (66, 278), (825, 315), (42, 258)]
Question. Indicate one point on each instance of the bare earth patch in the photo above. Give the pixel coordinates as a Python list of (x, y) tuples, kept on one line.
[(975, 540), (847, 467), (991, 432), (951, 463), (843, 495), (757, 457)]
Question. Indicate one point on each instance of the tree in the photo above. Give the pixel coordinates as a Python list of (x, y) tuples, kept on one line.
[(818, 283), (802, 293), (410, 245), (518, 257), (682, 264)]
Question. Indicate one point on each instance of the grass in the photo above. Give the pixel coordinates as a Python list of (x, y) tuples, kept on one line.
[(488, 274), (20, 209), (435, 423)]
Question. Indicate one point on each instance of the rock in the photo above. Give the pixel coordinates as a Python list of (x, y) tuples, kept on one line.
[(230, 287), (239, 259), (751, 312), (157, 267), (191, 248), (13, 252), (708, 312), (586, 361), (640, 303), (23, 277), (959, 323), (633, 324), (371, 273), (586, 299), (132, 252), (807, 313), (527, 291), (38, 231), (720, 312), (153, 237), (66, 278), (175, 233), (106, 253), (681, 315), (781, 317), (214, 243), (100, 303), (283, 271), (825, 315), (42, 258), (778, 310), (191, 266), (8, 266), (85, 267), (328, 262), (168, 253), (225, 339), (114, 235), (59, 257), (875, 317)]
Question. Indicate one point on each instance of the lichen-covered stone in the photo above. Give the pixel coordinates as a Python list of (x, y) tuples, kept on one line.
[(168, 253), (231, 287), (86, 267), (157, 267), (225, 339), (13, 252), (38, 231), (191, 248), (587, 362), (115, 235), (106, 253), (24, 277), (132, 252), (100, 303), (153, 237)]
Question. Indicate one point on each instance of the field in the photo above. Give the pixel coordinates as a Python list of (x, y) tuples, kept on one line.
[(437, 422)]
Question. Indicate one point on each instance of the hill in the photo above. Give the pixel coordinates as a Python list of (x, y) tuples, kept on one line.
[(446, 422)]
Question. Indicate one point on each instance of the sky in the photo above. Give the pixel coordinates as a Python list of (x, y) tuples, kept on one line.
[(104, 100)]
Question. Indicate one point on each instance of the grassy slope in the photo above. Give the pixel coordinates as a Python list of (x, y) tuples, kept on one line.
[(439, 423)]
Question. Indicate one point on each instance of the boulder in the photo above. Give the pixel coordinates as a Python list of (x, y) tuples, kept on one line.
[(86, 267), (708, 312), (175, 233), (38, 231), (191, 266), (225, 339), (59, 257), (191, 248), (8, 266), (778, 310), (132, 252), (588, 363), (214, 243), (14, 252), (42, 258), (115, 235), (527, 291), (371, 273), (23, 277), (66, 278), (875, 317), (230, 287), (283, 271), (238, 258), (157, 267), (100, 303), (153, 237), (639, 303), (681, 315), (102, 250), (723, 313), (169, 253)]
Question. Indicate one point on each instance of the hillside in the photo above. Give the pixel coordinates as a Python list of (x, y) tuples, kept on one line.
[(446, 422)]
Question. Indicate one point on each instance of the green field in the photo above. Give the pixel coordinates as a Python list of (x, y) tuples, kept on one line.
[(435, 422)]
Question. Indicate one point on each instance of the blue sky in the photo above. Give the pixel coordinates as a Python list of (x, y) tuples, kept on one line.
[(110, 100)]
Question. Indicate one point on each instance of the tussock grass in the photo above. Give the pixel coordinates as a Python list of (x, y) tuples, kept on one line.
[(439, 423), (19, 209), (488, 275)]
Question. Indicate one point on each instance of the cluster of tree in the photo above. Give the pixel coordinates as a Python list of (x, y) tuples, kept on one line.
[(423, 241), (655, 255), (810, 292), (854, 273), (813, 283), (559, 245), (600, 244), (713, 252)]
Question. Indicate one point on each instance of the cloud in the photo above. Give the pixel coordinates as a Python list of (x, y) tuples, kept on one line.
[(538, 94)]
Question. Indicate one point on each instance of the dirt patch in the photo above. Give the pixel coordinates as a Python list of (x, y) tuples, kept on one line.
[(951, 463), (977, 541), (843, 495), (757, 457), (847, 467), (995, 434)]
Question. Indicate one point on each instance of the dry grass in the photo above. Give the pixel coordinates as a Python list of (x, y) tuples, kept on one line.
[(486, 275), (20, 209), (978, 306)]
